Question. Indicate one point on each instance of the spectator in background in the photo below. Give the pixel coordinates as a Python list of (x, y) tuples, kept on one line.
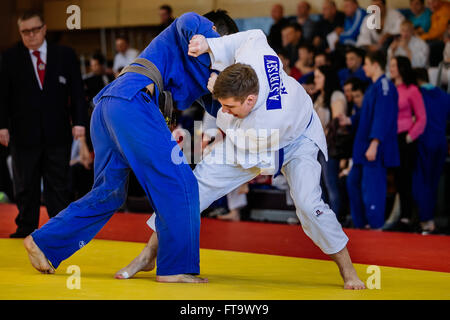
[(439, 20), (379, 39), (165, 16), (291, 71), (375, 146), (330, 103), (125, 55), (331, 20), (419, 15), (348, 92), (353, 60), (291, 39), (321, 58), (279, 21), (354, 16), (305, 62), (431, 151), (97, 78), (434, 36), (412, 120), (45, 108), (410, 46), (303, 19)]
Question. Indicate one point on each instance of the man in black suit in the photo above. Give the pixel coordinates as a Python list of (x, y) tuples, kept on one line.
[(42, 105)]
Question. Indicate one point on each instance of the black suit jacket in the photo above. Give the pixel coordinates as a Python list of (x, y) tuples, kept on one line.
[(38, 117)]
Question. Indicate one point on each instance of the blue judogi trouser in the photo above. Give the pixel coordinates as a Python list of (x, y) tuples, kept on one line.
[(431, 154), (367, 187), (132, 135)]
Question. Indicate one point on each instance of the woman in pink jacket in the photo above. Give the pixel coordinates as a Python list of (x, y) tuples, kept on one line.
[(411, 124)]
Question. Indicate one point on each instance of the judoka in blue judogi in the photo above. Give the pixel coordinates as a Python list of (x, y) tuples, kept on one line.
[(367, 180), (431, 151), (129, 133)]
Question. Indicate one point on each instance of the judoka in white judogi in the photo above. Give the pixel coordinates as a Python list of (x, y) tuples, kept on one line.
[(289, 125)]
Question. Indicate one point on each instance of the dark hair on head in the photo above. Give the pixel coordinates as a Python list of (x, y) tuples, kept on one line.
[(237, 81), (359, 52), (28, 14), (359, 85), (307, 46), (421, 75), (331, 84), (99, 57), (421, 1), (284, 52), (124, 37), (295, 25), (405, 70), (222, 21), (353, 81), (167, 8), (377, 57), (322, 53)]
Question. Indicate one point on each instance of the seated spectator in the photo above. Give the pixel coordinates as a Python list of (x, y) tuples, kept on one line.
[(440, 75), (348, 92), (97, 78), (410, 46), (439, 20), (354, 16), (292, 71), (321, 58), (330, 103), (434, 37), (411, 124), (305, 21), (353, 60), (305, 62), (125, 55), (432, 150), (165, 16), (358, 90), (419, 15), (374, 39), (279, 21), (291, 39), (375, 147), (331, 20)]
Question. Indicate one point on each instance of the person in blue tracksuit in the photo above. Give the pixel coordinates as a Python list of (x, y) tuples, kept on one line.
[(375, 146), (130, 133), (432, 150)]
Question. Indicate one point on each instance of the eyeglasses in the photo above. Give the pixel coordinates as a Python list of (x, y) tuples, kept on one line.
[(28, 32)]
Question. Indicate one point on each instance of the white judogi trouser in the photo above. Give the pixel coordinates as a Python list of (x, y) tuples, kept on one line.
[(302, 171)]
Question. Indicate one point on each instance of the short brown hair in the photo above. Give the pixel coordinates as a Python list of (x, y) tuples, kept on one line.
[(237, 81), (28, 14)]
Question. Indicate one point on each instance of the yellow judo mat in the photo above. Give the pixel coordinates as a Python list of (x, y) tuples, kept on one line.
[(232, 276)]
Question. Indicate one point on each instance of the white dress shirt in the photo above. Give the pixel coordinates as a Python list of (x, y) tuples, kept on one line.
[(124, 59), (391, 25)]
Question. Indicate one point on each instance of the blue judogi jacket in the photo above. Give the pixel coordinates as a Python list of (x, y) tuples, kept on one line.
[(437, 105), (184, 76), (378, 120), (352, 25)]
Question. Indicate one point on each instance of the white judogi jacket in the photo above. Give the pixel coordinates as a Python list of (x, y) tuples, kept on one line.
[(283, 111)]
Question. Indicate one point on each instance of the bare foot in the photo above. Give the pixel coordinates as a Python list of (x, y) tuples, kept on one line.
[(181, 278), (37, 257), (233, 215), (145, 261), (354, 284)]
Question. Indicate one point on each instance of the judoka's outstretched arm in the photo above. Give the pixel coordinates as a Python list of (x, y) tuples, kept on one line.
[(223, 50)]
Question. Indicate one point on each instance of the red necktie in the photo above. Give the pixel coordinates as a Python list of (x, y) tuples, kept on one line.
[(40, 67)]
